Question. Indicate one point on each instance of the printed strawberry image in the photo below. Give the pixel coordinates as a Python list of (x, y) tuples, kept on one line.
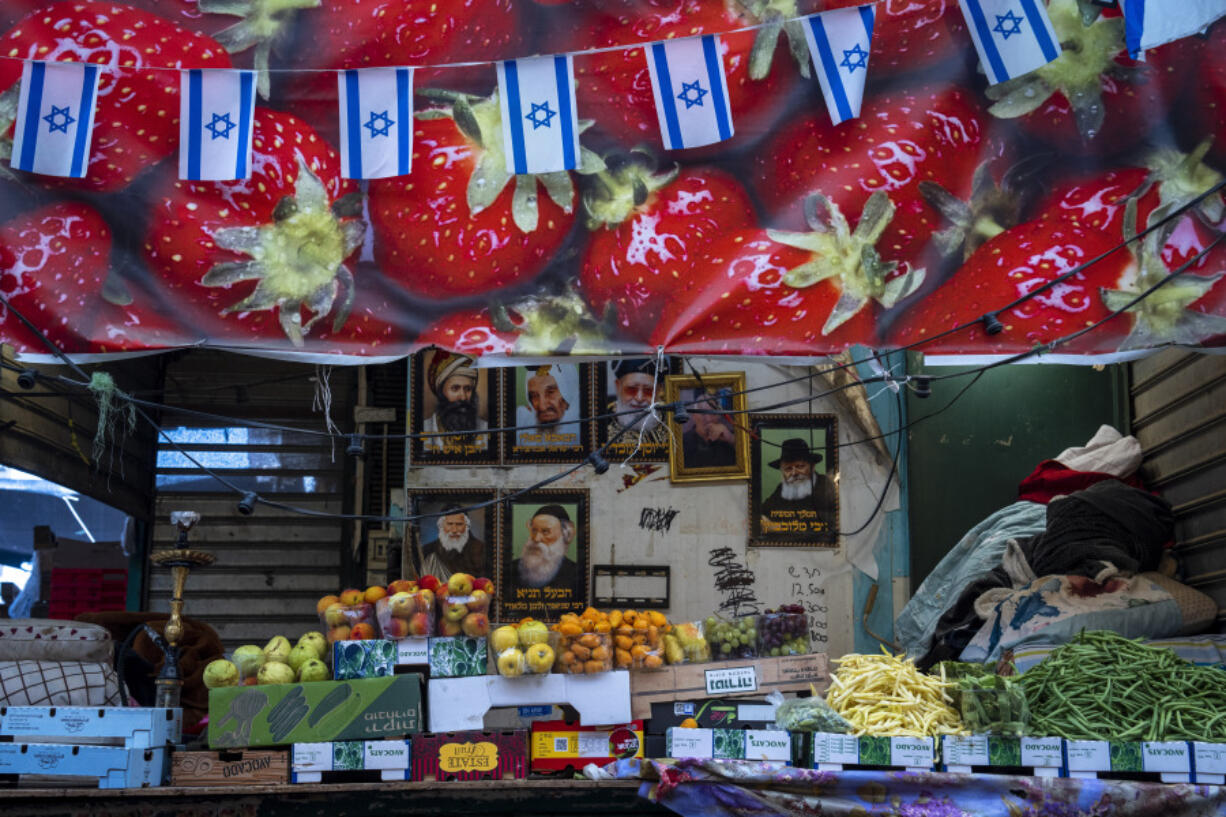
[(1014, 263), (1093, 98), (136, 124), (775, 292), (242, 257), (131, 321), (460, 224), (544, 324), (54, 263), (369, 33), (648, 228), (902, 139), (372, 329), (909, 36), (614, 86), (1208, 106), (1188, 309)]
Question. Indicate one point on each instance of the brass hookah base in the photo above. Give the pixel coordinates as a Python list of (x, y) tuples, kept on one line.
[(169, 683)]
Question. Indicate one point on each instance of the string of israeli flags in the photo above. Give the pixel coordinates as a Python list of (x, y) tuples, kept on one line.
[(540, 119)]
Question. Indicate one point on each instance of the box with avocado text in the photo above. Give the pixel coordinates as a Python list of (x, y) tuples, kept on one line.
[(277, 714)]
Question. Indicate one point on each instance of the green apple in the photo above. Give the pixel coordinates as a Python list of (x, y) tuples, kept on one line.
[(275, 672), (249, 659), (220, 673), (533, 632), (316, 640), (313, 670), (277, 649)]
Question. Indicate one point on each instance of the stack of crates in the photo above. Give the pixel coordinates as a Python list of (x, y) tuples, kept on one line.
[(95, 590)]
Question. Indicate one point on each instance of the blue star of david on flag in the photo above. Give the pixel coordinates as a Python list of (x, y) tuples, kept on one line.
[(61, 94), (705, 118), (1008, 24), (379, 124), (220, 103), (54, 120), (541, 115), (854, 57), (220, 126), (375, 144), (692, 94), (1021, 40)]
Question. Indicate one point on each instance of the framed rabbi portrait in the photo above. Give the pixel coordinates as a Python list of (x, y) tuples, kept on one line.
[(452, 539), (452, 401), (544, 404), (625, 386), (794, 486), (544, 557), (709, 446)]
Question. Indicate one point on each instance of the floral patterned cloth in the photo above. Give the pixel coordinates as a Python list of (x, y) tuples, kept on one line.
[(731, 788)]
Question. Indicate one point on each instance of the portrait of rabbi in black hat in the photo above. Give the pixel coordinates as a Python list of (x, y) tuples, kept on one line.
[(802, 497), (543, 560)]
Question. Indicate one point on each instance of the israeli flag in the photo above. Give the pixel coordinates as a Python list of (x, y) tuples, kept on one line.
[(840, 42), (538, 114), (55, 118), (691, 91), (1151, 23), (216, 111), (1013, 37), (376, 122)]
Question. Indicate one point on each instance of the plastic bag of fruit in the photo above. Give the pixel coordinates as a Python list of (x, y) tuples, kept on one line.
[(784, 631), (731, 638), (526, 648), (638, 638), (684, 643), (406, 613), (585, 643), (349, 616), (811, 714), (464, 606)]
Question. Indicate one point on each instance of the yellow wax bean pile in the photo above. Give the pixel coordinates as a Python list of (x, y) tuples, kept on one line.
[(886, 695)]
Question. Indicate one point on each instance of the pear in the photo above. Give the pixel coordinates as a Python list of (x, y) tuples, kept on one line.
[(249, 658), (316, 640), (220, 673)]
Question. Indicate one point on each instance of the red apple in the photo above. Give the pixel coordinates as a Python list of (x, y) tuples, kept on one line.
[(419, 624), (479, 602), (401, 586), (484, 584), (450, 628), (396, 628), (476, 625), (352, 597), (402, 605), (460, 584), (425, 600), (429, 582)]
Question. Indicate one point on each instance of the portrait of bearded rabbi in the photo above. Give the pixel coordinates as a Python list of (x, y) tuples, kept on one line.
[(543, 561), (548, 394), (800, 488), (456, 550), (453, 380), (635, 380)]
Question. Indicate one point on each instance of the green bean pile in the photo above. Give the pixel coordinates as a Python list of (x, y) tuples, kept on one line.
[(1101, 686)]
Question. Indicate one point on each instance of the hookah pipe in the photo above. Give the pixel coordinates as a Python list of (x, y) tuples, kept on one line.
[(180, 559)]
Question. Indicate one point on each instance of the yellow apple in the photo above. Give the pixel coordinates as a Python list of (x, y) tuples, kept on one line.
[(504, 638), (511, 663), (540, 658), (533, 632)]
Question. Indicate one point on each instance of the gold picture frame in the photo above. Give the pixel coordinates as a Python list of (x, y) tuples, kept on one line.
[(699, 450)]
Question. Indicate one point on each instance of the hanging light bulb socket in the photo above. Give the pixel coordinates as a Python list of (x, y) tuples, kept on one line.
[(923, 386), (599, 463), (357, 446), (246, 505)]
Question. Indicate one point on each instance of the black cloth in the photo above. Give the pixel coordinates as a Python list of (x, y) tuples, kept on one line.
[(567, 576), (700, 453), (1109, 522), (470, 559)]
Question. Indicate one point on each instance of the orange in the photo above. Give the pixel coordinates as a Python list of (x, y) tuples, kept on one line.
[(374, 593), (353, 597), (652, 662), (623, 658), (325, 603), (593, 667), (657, 618), (689, 723), (624, 642), (601, 653)]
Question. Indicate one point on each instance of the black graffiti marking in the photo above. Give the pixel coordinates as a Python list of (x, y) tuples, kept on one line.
[(658, 519), (735, 582)]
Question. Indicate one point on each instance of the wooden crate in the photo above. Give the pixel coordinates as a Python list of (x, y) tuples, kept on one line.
[(229, 768)]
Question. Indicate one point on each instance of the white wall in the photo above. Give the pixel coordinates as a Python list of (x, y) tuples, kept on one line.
[(711, 517)]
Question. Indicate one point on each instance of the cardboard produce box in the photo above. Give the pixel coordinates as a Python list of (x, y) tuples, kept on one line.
[(372, 658), (475, 755), (729, 744), (261, 767), (558, 746), (458, 657), (712, 713), (278, 714), (727, 679)]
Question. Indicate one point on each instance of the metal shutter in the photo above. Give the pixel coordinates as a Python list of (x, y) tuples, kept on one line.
[(1179, 416), (274, 565)]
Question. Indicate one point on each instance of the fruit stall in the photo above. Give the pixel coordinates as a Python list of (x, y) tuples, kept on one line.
[(517, 406)]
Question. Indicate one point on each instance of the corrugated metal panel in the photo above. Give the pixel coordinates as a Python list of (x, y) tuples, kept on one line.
[(1179, 416), (274, 565)]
